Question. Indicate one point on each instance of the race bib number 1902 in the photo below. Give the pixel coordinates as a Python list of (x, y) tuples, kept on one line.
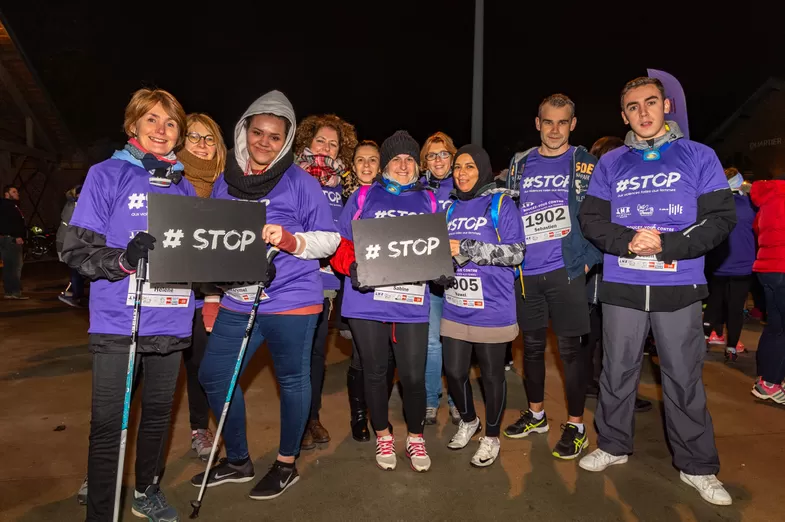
[(547, 224)]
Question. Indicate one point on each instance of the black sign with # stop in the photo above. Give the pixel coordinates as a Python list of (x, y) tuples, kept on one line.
[(407, 249), (203, 240)]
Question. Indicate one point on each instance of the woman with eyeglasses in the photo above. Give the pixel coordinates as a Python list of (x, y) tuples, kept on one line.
[(204, 157), (487, 242), (436, 160), (323, 146)]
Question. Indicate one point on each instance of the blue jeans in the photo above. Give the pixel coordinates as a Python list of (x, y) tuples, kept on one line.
[(11, 254), (289, 338), (433, 364)]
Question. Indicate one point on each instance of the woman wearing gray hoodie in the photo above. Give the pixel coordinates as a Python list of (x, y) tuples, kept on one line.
[(299, 223)]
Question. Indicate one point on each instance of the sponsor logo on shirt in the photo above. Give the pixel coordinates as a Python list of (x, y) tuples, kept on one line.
[(623, 212), (673, 209), (645, 210)]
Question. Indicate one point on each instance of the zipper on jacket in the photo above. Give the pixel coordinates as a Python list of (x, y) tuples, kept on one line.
[(648, 296), (596, 286)]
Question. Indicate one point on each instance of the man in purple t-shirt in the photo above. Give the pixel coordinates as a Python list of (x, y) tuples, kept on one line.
[(552, 180), (655, 207)]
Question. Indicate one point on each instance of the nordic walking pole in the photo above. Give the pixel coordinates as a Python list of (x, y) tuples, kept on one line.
[(141, 275), (197, 504)]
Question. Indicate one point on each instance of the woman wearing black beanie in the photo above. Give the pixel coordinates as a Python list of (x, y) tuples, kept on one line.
[(487, 242)]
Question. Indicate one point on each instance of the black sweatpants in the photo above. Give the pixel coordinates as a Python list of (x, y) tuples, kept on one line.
[(592, 343), (318, 359), (198, 407), (457, 356), (159, 376), (410, 345), (725, 305)]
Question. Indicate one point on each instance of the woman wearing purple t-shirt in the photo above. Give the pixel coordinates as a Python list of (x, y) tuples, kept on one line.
[(487, 241), (324, 147), (260, 168), (379, 318), (113, 209)]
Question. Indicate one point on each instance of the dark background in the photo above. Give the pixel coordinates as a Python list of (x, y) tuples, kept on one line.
[(390, 65)]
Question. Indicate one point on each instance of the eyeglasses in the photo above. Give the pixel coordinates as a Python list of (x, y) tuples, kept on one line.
[(195, 137), (445, 154)]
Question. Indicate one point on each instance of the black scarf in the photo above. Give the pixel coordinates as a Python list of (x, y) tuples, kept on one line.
[(254, 186), (483, 162), (158, 168)]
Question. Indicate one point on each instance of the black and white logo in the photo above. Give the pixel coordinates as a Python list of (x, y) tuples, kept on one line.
[(645, 210)]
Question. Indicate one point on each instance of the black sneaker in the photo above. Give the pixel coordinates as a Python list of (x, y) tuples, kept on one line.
[(525, 425), (277, 480), (572, 442), (642, 405), (224, 472)]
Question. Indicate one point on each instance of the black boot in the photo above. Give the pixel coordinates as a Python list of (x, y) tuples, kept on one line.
[(359, 421)]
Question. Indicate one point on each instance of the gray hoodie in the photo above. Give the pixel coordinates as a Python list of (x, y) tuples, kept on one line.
[(274, 102)]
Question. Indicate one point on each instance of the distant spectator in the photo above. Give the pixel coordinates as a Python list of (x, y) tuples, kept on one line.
[(12, 238), (72, 295)]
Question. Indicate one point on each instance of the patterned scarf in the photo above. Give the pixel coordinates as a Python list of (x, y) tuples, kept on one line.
[(157, 166), (326, 170), (200, 172)]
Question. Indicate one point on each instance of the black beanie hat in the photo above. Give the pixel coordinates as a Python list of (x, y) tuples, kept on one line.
[(399, 143), (483, 162)]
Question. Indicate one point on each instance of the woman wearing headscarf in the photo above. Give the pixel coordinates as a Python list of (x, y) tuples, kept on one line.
[(261, 168), (487, 241)]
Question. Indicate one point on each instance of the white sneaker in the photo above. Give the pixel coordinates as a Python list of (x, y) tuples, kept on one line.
[(709, 487), (430, 415), (487, 452), (385, 452), (417, 454), (466, 431), (598, 460)]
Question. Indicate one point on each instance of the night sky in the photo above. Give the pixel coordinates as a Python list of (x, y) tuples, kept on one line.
[(392, 65)]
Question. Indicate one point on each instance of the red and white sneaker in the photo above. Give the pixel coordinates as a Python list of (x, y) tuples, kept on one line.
[(740, 348), (768, 391), (385, 452), (716, 339), (417, 454)]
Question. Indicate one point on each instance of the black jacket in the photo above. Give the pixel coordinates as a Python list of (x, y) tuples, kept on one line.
[(716, 218), (12, 222)]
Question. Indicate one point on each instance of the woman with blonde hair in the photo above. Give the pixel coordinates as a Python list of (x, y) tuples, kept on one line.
[(204, 157), (111, 209)]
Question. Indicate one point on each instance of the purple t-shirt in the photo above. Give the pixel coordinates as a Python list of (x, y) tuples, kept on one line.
[(739, 250), (546, 218), (397, 303), (661, 194), (443, 192), (335, 199), (483, 295), (298, 205), (113, 203)]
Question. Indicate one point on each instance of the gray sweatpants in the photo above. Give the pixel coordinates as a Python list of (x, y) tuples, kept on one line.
[(681, 348)]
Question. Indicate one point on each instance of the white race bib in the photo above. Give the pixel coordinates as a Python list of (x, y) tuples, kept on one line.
[(647, 263), (466, 292), (246, 294), (547, 225), (405, 294), (158, 296)]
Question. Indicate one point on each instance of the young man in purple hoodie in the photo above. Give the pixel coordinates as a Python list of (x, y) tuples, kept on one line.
[(655, 207)]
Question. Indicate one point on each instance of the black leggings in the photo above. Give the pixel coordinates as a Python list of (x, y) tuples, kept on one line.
[(727, 295), (198, 407), (573, 357), (457, 357), (410, 345), (318, 357), (159, 373)]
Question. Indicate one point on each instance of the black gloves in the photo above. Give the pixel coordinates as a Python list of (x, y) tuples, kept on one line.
[(138, 248), (445, 281), (355, 282)]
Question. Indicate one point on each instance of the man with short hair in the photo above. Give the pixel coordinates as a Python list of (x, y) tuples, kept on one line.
[(655, 207), (12, 236), (553, 180)]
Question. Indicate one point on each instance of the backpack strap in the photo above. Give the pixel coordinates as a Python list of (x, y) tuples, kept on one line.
[(449, 210), (496, 207), (362, 194), (434, 203)]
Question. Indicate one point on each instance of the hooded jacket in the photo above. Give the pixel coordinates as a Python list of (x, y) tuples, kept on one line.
[(769, 197), (616, 185)]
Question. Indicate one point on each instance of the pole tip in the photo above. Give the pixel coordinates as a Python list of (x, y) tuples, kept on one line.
[(196, 505)]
